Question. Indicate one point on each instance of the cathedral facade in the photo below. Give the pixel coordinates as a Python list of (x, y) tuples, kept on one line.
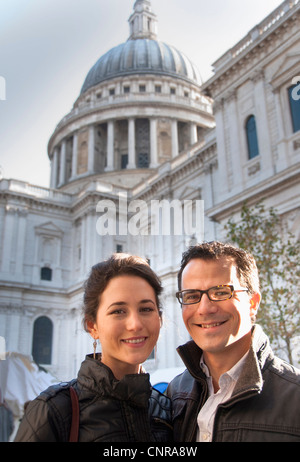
[(145, 131)]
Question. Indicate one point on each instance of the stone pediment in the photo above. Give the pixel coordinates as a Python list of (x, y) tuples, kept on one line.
[(48, 229), (288, 69), (190, 193)]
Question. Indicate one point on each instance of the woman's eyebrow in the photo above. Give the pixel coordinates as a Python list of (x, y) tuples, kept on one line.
[(120, 303), (117, 304)]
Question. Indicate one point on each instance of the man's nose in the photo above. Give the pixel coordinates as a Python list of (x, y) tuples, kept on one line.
[(206, 306)]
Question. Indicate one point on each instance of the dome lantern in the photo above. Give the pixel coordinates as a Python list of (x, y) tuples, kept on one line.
[(143, 22), (142, 53)]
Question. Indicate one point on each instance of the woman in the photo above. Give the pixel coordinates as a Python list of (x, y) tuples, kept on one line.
[(116, 401)]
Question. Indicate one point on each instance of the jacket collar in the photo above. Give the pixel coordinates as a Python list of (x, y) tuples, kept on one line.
[(251, 376), (97, 377)]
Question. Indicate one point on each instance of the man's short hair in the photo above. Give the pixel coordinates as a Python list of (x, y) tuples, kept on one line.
[(245, 263)]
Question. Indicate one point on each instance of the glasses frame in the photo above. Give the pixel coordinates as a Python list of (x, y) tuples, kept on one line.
[(202, 292)]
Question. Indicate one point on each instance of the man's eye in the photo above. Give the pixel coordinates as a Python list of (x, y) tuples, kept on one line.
[(190, 297), (221, 293)]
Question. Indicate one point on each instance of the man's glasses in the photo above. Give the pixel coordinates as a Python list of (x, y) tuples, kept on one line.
[(215, 294)]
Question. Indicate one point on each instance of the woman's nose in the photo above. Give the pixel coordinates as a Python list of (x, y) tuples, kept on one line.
[(134, 322)]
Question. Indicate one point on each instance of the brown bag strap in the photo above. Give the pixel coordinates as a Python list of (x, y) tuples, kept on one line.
[(73, 438)]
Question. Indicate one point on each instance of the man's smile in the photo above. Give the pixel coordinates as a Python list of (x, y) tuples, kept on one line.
[(211, 325)]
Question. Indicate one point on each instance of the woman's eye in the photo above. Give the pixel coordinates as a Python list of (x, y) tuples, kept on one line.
[(147, 309), (117, 312)]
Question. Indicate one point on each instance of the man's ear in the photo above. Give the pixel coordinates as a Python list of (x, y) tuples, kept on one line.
[(254, 303)]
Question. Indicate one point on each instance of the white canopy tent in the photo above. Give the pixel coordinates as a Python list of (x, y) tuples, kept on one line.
[(21, 381)]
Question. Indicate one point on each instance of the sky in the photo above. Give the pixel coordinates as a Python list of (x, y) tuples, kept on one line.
[(47, 48)]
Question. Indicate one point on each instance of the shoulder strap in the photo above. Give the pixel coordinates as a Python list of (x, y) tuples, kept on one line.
[(73, 438)]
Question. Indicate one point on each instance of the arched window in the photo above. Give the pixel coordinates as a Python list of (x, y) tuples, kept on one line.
[(294, 97), (46, 274), (42, 340), (252, 141)]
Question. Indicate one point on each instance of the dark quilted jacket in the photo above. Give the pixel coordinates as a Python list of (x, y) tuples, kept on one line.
[(264, 406), (128, 410)]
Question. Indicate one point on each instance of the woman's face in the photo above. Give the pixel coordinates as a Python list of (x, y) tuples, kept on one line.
[(127, 324)]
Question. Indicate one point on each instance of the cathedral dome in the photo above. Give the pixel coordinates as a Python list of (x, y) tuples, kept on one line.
[(139, 107), (141, 56)]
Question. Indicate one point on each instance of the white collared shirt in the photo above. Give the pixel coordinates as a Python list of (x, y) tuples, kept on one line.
[(207, 413)]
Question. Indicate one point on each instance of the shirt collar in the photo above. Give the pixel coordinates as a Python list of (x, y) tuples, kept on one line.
[(234, 372)]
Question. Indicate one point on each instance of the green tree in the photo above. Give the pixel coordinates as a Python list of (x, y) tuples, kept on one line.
[(277, 254)]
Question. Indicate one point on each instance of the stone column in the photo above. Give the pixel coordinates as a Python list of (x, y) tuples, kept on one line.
[(282, 161), (53, 181), (74, 156), (153, 143), (8, 242), (262, 125), (235, 144), (222, 183), (21, 229), (84, 243), (62, 172), (110, 146), (91, 150), (174, 139), (131, 144), (193, 133)]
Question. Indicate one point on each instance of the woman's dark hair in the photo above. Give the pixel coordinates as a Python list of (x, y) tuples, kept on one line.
[(117, 265), (245, 263)]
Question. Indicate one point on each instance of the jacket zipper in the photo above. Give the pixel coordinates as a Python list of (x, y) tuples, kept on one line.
[(201, 402)]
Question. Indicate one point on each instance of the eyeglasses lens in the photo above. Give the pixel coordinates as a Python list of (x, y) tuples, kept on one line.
[(189, 297)]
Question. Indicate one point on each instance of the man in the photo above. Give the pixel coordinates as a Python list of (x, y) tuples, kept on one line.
[(234, 388)]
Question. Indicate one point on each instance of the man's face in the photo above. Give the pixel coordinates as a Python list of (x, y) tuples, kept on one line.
[(218, 326)]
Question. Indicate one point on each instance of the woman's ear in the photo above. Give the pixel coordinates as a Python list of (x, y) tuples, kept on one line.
[(92, 328)]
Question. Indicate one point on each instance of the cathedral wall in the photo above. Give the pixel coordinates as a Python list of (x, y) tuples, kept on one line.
[(256, 87)]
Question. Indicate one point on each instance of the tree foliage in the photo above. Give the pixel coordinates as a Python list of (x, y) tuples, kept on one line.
[(277, 254)]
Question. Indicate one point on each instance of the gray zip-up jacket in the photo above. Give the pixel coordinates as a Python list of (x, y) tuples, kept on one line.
[(264, 406)]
